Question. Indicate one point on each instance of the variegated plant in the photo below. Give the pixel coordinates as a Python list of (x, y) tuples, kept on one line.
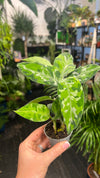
[(69, 103)]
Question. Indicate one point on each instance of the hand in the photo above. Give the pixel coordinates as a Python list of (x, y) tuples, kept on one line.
[(32, 162)]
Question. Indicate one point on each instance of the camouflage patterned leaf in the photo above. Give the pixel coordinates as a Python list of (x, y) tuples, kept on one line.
[(64, 63), (39, 60), (85, 73), (34, 112), (38, 73), (71, 96)]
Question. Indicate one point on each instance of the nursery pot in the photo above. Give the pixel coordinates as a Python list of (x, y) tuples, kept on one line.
[(53, 141), (91, 172), (98, 44)]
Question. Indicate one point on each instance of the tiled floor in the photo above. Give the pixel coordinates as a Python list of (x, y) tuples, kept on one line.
[(68, 165)]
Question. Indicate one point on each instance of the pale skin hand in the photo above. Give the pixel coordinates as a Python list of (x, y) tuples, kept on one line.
[(32, 163)]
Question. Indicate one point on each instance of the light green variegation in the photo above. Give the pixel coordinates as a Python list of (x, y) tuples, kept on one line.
[(64, 63), (65, 83), (85, 73), (39, 73), (39, 60), (71, 96), (34, 112)]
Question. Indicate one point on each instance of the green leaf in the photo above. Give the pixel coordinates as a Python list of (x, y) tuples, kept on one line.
[(9, 1), (1, 2), (85, 73), (70, 93), (64, 63), (39, 60), (38, 73), (56, 109), (34, 112), (42, 98), (31, 4)]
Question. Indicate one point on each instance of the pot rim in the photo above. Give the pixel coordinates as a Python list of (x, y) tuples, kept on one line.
[(55, 138), (89, 168)]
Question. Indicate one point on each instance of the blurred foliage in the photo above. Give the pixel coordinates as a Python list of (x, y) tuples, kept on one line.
[(87, 135), (18, 45), (30, 3), (5, 42), (23, 26)]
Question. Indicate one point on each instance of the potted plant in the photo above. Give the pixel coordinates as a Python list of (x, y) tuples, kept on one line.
[(87, 135), (98, 42), (65, 83)]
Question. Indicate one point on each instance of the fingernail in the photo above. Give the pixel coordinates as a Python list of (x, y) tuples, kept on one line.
[(66, 145)]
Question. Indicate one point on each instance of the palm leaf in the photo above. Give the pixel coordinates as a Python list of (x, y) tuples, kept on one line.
[(51, 91)]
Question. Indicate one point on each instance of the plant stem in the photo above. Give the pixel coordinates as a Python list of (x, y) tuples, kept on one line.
[(0, 73), (54, 126)]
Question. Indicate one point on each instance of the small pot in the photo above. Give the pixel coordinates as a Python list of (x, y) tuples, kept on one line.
[(53, 141), (92, 174), (98, 44)]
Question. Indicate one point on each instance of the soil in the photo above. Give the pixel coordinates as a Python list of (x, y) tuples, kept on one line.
[(51, 133), (91, 172)]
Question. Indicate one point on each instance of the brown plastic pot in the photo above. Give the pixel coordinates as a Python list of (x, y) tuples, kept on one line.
[(53, 141), (88, 170), (89, 173)]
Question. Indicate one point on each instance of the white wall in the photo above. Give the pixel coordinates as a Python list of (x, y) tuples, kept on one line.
[(41, 26)]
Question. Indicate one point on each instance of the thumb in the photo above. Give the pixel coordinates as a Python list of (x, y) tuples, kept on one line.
[(56, 151)]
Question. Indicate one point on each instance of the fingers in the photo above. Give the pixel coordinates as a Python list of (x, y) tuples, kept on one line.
[(43, 145), (35, 135), (56, 151)]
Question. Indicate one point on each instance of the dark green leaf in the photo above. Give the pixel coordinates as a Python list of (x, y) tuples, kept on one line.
[(10, 3), (31, 4), (42, 98)]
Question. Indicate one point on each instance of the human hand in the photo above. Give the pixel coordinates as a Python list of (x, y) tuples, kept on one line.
[(32, 162)]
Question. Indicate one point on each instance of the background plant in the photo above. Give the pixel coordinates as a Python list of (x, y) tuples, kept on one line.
[(87, 135), (31, 4), (18, 45), (23, 26), (5, 44)]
